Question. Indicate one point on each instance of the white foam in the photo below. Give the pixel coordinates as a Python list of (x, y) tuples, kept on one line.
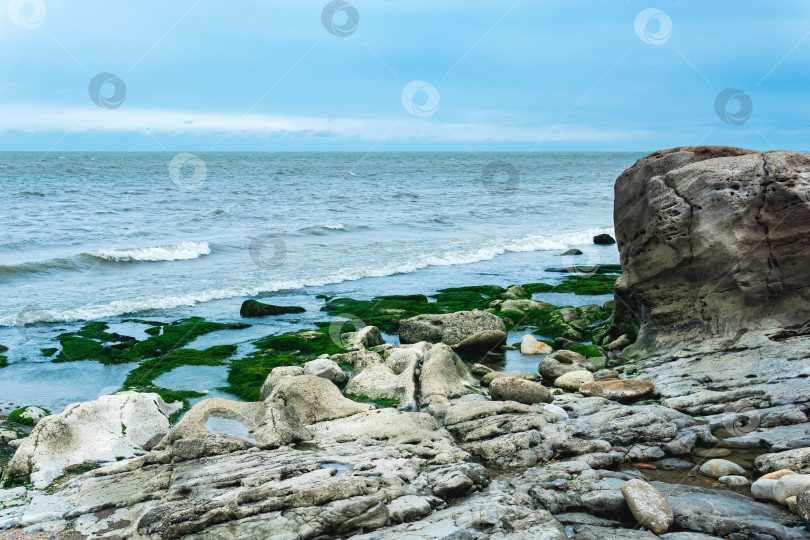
[(495, 248), (173, 252)]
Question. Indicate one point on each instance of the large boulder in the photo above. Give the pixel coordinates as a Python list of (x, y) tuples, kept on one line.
[(314, 399), (444, 376), (449, 328), (109, 428), (520, 390), (714, 241), (648, 505), (254, 308), (372, 378)]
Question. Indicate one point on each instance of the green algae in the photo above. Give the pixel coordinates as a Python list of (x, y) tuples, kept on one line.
[(87, 343), (584, 284), (588, 351), (305, 342), (3, 361), (49, 351), (247, 375), (385, 312), (141, 379), (254, 308), (381, 403)]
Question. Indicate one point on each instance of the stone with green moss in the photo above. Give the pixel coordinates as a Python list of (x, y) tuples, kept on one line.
[(584, 284), (28, 415), (588, 351), (49, 351), (254, 308), (3, 361), (247, 375)]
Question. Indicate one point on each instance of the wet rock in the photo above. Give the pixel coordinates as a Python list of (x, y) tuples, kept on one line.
[(572, 380), (254, 308), (623, 389), (276, 375), (568, 357), (572, 251), (803, 506), (515, 292), (480, 370), (711, 452), (28, 415), (734, 481), (450, 328), (530, 345), (604, 239), (327, 369), (520, 390), (314, 399), (95, 431), (7, 435), (620, 343), (485, 341), (715, 468), (603, 374), (648, 506)]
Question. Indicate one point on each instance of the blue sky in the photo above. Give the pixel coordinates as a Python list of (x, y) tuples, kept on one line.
[(537, 75)]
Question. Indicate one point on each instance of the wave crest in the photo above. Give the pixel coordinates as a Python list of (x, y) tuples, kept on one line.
[(172, 252)]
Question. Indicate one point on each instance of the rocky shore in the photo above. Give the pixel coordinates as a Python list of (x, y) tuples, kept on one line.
[(677, 411)]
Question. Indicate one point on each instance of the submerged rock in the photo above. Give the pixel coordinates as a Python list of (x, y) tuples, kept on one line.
[(254, 308), (604, 239)]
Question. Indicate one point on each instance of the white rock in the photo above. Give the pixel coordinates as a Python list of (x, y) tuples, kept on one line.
[(556, 409), (7, 435), (530, 345), (275, 377), (327, 369), (95, 431), (790, 486)]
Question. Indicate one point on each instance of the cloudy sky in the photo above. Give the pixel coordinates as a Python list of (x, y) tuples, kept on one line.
[(376, 75)]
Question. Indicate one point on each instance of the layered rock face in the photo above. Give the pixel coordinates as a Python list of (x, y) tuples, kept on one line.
[(714, 243)]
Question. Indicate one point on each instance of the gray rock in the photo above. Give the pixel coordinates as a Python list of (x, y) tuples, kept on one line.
[(450, 328), (790, 485), (327, 369), (407, 508), (715, 468), (520, 390), (648, 506), (481, 342), (572, 380), (620, 389), (444, 375), (276, 375), (803, 506), (373, 378), (550, 367), (797, 460), (734, 481)]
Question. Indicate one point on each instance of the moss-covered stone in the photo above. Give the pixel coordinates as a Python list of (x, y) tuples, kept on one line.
[(305, 342), (3, 348), (19, 416), (3, 361), (598, 269), (254, 308), (88, 342), (588, 351), (48, 351)]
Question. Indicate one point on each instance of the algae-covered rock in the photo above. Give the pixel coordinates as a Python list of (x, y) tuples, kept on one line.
[(450, 328), (28, 415), (254, 308)]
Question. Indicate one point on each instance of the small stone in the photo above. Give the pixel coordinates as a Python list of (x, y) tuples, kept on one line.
[(480, 370), (556, 409), (648, 506), (485, 341), (735, 481), (520, 390), (572, 251), (617, 389), (327, 369), (530, 345), (572, 380), (487, 379), (531, 376), (7, 435), (568, 357), (715, 468)]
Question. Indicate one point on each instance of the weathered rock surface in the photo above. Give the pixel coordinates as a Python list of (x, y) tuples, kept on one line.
[(392, 379), (572, 380), (481, 342), (444, 375), (715, 468), (276, 375), (450, 328), (95, 431), (327, 369), (314, 399)]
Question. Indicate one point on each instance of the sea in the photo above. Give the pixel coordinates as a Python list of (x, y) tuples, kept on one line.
[(117, 235)]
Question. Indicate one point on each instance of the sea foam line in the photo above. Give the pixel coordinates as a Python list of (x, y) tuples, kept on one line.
[(172, 252)]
